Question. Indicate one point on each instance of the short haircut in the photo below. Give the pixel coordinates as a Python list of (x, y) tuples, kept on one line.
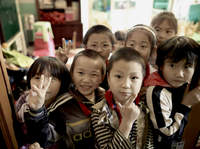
[(55, 67), (177, 48), (97, 29), (166, 15), (146, 29), (120, 35), (127, 54), (92, 55)]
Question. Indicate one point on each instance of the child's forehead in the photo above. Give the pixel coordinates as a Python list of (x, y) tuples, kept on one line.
[(88, 61)]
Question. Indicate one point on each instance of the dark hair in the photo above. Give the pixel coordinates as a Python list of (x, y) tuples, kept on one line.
[(55, 67), (127, 54), (120, 35), (90, 54), (166, 15), (196, 76), (97, 29), (150, 32), (177, 48)]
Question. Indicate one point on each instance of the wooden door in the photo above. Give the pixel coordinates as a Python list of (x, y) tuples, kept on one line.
[(6, 113)]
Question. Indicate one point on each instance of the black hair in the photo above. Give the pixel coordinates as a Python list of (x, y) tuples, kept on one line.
[(177, 48), (97, 29), (55, 67), (127, 54), (90, 54), (150, 32), (120, 35)]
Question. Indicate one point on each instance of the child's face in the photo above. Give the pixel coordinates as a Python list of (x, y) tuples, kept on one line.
[(177, 74), (164, 31), (140, 42), (87, 75), (53, 88), (100, 43), (125, 79), (119, 44)]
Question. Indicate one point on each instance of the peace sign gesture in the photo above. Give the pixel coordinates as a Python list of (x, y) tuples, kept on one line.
[(62, 53), (38, 92)]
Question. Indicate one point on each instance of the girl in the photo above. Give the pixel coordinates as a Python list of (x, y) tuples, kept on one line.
[(166, 26), (116, 123), (54, 76), (143, 39), (69, 118), (169, 107)]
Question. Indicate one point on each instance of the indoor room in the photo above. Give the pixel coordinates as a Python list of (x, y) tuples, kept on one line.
[(61, 30)]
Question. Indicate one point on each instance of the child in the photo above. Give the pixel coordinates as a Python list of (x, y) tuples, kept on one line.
[(120, 37), (169, 107), (143, 39), (101, 39), (69, 118), (165, 25), (120, 123), (40, 71)]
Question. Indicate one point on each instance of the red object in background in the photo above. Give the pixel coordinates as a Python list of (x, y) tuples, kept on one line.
[(42, 48), (55, 17)]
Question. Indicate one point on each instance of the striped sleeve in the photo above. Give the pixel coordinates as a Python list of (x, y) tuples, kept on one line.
[(106, 136), (159, 101)]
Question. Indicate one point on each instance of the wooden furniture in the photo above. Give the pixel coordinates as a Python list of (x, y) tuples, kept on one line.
[(6, 112), (192, 129), (64, 28)]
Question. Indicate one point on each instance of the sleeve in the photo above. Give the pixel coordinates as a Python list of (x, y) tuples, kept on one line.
[(167, 118), (106, 136), (40, 129)]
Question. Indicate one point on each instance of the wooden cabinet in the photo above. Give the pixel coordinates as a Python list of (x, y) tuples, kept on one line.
[(65, 22)]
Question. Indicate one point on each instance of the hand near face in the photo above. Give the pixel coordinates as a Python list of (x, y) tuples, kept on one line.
[(35, 146), (62, 53), (191, 97), (129, 112), (38, 92)]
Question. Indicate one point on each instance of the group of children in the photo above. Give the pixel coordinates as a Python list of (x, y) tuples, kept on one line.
[(137, 97)]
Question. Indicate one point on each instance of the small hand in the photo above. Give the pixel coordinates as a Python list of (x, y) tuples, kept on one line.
[(37, 93), (62, 53), (35, 146), (129, 110), (191, 97)]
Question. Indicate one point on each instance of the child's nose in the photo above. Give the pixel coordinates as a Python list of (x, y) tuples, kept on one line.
[(126, 83), (179, 73)]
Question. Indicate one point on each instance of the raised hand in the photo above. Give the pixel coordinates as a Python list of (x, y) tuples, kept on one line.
[(37, 93), (129, 112), (62, 53), (191, 97)]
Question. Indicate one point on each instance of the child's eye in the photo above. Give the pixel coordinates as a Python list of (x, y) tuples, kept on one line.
[(80, 72), (188, 66), (105, 45), (118, 76), (157, 29), (172, 65), (169, 32), (143, 47), (94, 74), (134, 77)]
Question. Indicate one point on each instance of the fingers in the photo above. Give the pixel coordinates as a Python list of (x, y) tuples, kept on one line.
[(131, 99), (187, 89), (35, 146), (41, 82), (48, 83)]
